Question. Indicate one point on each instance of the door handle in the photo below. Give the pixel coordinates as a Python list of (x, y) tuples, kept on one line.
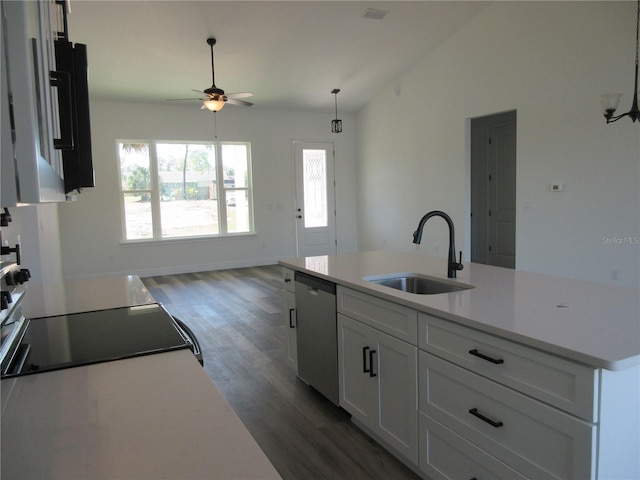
[(364, 360), (291, 325), (371, 374)]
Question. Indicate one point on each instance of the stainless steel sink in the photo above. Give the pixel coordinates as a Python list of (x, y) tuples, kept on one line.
[(418, 284)]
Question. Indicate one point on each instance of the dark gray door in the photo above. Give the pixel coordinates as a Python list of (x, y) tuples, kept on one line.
[(493, 190)]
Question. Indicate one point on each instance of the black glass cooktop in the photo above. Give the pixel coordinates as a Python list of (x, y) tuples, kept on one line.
[(63, 341)]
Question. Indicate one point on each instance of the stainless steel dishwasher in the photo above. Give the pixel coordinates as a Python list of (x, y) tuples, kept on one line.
[(317, 334)]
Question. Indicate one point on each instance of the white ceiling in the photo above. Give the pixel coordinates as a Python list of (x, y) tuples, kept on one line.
[(290, 54)]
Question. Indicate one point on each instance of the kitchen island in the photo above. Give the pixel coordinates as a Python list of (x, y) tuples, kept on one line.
[(524, 375), (591, 323), (153, 416)]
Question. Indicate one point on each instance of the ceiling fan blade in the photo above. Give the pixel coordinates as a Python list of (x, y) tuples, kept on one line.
[(239, 95), (233, 101), (198, 91), (183, 99)]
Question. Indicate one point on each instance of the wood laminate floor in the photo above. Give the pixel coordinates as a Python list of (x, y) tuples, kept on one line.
[(238, 319)]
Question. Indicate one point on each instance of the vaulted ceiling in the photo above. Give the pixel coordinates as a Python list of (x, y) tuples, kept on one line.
[(290, 54)]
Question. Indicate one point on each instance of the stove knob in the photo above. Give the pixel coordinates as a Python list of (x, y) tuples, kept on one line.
[(5, 299), (23, 275)]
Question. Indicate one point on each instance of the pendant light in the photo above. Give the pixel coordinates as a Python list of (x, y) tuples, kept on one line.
[(336, 124), (610, 100)]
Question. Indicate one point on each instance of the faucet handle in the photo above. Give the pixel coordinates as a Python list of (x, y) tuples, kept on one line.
[(459, 266)]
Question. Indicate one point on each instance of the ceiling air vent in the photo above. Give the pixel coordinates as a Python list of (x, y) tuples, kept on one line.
[(374, 14)]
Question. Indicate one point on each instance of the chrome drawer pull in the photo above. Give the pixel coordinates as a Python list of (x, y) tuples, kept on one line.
[(493, 423), (475, 353)]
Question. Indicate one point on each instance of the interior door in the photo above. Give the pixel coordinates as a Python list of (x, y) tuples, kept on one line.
[(502, 195), (493, 189), (315, 199)]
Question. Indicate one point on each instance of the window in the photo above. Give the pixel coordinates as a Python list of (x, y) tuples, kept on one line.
[(176, 190)]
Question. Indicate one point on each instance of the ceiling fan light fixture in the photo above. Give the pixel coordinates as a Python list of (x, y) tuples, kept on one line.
[(214, 105)]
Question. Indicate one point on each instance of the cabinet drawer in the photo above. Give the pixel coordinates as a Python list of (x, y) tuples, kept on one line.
[(567, 385), (535, 439), (447, 456), (396, 320)]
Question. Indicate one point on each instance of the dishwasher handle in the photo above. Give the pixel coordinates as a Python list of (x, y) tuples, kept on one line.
[(315, 284)]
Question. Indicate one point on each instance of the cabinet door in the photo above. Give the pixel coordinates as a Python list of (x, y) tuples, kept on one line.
[(396, 371), (29, 56), (289, 304), (358, 388)]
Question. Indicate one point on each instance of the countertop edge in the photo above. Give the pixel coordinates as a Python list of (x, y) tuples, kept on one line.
[(400, 298)]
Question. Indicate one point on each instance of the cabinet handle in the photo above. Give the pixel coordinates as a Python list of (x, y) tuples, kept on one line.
[(364, 360), (493, 423), (475, 353), (291, 325), (371, 374), (62, 81)]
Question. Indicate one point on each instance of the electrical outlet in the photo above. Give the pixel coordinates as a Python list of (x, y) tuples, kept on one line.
[(615, 274)]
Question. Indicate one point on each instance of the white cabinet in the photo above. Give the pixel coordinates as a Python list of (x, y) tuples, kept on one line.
[(561, 383), (446, 455), (517, 407), (378, 376), (290, 322), (533, 438), (30, 29)]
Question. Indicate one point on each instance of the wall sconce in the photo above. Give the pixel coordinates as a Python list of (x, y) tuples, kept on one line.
[(336, 125), (610, 101)]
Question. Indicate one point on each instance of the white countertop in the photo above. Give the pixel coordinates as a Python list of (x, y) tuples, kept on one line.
[(151, 417), (156, 416), (591, 323), (84, 295)]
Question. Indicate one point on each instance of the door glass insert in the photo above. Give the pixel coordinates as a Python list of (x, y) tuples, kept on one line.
[(315, 187)]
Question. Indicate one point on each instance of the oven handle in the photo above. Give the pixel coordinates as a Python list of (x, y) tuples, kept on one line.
[(186, 331), (20, 358)]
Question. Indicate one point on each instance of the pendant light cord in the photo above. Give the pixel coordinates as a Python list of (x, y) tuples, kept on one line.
[(637, 32)]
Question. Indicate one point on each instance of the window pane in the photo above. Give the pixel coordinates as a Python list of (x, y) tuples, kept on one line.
[(137, 212), (134, 166), (189, 218), (235, 166), (315, 188), (238, 219), (188, 203)]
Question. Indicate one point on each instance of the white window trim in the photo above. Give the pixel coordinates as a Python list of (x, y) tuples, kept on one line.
[(155, 193)]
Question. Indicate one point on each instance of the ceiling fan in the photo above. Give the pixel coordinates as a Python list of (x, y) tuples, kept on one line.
[(215, 98)]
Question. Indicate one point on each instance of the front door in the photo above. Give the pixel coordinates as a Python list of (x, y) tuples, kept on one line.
[(315, 199)]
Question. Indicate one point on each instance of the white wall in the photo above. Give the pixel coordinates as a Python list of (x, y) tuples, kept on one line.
[(550, 61), (91, 231)]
